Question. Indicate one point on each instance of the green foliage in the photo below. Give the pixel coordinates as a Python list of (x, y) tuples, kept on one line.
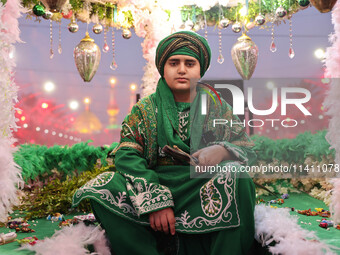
[(56, 196), (38, 161), (105, 10), (292, 150)]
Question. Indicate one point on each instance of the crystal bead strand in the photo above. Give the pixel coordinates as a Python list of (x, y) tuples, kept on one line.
[(60, 50), (51, 41)]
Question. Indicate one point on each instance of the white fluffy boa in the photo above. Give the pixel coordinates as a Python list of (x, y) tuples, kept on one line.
[(276, 224)]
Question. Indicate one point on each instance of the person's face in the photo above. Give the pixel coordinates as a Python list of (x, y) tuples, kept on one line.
[(179, 70)]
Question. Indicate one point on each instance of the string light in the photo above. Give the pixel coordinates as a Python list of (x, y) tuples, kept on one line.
[(74, 105), (319, 53), (133, 87), (44, 105), (49, 86), (113, 81)]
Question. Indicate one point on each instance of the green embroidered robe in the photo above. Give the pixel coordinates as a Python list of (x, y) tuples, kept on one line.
[(147, 180)]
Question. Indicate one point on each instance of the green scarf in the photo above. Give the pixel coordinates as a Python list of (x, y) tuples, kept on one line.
[(167, 119)]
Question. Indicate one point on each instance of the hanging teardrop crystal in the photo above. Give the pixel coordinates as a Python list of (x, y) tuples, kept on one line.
[(291, 53), (220, 59), (60, 50), (51, 54), (273, 47), (106, 48), (113, 65)]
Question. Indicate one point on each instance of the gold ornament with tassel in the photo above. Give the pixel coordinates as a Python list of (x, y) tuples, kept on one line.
[(87, 57), (54, 5), (323, 5), (244, 54)]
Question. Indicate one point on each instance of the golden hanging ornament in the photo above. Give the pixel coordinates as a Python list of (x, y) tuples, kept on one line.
[(54, 5), (87, 57), (244, 55), (323, 5)]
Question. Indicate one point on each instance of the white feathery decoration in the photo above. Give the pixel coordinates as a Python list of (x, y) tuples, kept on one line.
[(332, 102), (72, 241), (278, 225), (158, 28), (335, 200), (9, 171)]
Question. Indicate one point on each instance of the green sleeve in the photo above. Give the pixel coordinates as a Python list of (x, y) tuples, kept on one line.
[(145, 191), (235, 139)]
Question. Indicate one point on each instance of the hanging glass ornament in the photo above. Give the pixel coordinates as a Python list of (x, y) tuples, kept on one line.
[(303, 3), (73, 26), (236, 27), (281, 12), (38, 10), (126, 33), (323, 5), (68, 15), (224, 23), (47, 15), (260, 19), (54, 5), (97, 28), (244, 54), (87, 57)]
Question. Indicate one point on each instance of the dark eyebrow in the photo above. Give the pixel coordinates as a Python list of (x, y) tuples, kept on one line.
[(187, 60)]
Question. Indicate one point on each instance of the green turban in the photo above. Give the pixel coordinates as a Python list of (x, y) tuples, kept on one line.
[(183, 43)]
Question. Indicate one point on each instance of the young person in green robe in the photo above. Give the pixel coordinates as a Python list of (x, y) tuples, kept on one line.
[(151, 193)]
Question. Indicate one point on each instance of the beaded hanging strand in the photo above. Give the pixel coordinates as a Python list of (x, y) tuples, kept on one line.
[(60, 50), (220, 58), (273, 45), (291, 52), (51, 41), (113, 65), (106, 47)]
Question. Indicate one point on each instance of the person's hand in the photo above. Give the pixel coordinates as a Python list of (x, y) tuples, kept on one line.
[(163, 220), (212, 155)]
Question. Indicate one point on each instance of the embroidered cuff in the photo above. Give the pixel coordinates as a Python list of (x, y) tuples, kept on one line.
[(155, 197), (135, 146)]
